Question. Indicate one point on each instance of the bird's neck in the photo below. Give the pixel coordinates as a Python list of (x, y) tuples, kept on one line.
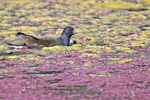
[(66, 39)]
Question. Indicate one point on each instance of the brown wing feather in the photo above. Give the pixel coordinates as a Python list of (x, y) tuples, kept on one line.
[(44, 42), (29, 40)]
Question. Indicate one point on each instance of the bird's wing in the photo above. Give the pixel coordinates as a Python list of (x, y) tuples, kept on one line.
[(45, 41), (27, 39), (30, 40), (51, 41)]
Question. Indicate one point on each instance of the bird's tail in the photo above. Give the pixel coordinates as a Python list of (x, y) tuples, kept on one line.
[(14, 46)]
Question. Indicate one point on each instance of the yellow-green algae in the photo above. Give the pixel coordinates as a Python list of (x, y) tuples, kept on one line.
[(93, 38)]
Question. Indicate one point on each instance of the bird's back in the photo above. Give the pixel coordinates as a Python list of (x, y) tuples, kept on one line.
[(30, 40)]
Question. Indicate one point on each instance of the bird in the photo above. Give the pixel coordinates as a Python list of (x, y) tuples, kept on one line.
[(64, 39)]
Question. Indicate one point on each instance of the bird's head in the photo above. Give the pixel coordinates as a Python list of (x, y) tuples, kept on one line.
[(68, 31)]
